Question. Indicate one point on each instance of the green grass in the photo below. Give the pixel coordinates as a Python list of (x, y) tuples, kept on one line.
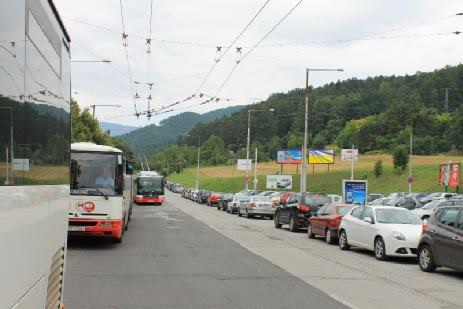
[(426, 179)]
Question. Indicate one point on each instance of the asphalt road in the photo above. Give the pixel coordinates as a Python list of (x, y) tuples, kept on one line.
[(169, 259)]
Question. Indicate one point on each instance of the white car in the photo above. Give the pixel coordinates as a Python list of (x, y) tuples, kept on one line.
[(388, 231), (427, 210)]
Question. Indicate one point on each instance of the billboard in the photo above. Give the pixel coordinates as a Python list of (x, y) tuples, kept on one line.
[(354, 191), (243, 164), (21, 165), (348, 154), (321, 156), (279, 182), (450, 175), (289, 156)]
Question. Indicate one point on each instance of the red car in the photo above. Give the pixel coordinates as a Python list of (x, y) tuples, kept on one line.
[(214, 199), (284, 197), (326, 222)]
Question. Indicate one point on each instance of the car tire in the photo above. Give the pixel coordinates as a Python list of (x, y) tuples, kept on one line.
[(248, 215), (328, 238), (276, 221), (343, 244), (292, 224), (426, 259), (380, 249), (239, 213), (310, 234)]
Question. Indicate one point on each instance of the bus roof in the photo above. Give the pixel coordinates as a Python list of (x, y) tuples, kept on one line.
[(148, 174), (91, 147)]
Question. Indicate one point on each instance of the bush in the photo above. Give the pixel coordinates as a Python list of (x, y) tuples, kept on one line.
[(400, 157), (378, 169)]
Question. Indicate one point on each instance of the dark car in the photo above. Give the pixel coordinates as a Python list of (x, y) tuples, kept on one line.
[(407, 202), (442, 240), (223, 205), (204, 197), (298, 208)]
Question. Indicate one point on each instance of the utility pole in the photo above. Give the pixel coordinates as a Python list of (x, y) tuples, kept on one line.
[(410, 177), (446, 101), (255, 172), (352, 164), (197, 168)]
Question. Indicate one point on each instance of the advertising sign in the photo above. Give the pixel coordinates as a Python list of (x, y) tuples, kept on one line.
[(21, 165), (279, 182), (321, 156), (449, 175), (348, 154), (243, 164), (354, 191), (289, 156)]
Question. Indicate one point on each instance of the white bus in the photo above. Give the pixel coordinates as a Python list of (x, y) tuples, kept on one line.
[(35, 126), (101, 191), (149, 188)]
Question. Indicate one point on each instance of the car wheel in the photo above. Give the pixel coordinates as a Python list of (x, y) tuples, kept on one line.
[(239, 213), (292, 224), (343, 244), (310, 234), (426, 259), (380, 249), (328, 237), (276, 221), (248, 215)]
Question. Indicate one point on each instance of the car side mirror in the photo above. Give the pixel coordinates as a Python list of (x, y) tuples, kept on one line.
[(368, 220), (129, 169)]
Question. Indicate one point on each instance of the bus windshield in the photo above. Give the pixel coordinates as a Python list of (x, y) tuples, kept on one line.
[(152, 185), (95, 174)]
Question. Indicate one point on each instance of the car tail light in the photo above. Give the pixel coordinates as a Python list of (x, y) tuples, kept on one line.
[(303, 208), (253, 205)]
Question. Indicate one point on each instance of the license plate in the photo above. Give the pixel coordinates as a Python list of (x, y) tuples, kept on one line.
[(73, 228)]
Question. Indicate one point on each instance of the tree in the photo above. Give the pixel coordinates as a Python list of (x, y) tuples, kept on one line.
[(378, 169), (400, 157)]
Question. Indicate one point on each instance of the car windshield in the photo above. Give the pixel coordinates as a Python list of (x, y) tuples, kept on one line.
[(95, 174), (150, 185), (316, 200), (261, 199), (397, 216), (343, 210)]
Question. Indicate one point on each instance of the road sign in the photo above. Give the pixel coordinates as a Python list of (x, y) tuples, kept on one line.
[(348, 154), (246, 179), (410, 179)]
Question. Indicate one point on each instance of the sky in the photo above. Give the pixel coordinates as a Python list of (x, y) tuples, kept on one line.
[(363, 37)]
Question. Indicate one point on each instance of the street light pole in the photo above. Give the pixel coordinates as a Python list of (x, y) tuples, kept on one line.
[(306, 127), (197, 168), (248, 144), (410, 179), (10, 175)]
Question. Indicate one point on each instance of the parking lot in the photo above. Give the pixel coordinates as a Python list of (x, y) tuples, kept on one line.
[(353, 277)]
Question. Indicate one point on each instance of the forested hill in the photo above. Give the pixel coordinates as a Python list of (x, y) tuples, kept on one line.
[(157, 137), (375, 114)]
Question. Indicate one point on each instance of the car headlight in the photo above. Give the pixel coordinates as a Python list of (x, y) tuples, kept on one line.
[(398, 235)]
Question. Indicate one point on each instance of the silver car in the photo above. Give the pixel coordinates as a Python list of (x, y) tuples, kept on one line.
[(232, 206), (251, 206)]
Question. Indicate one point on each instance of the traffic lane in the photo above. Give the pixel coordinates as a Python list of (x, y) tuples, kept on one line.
[(355, 277), (168, 259)]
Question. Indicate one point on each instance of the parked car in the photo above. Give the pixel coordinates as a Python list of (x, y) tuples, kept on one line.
[(407, 202), (214, 199), (284, 197), (326, 222), (442, 240), (388, 231), (251, 206), (334, 198), (298, 209), (427, 210), (223, 205), (419, 195), (233, 205), (380, 202), (436, 196), (396, 195), (204, 196), (372, 197)]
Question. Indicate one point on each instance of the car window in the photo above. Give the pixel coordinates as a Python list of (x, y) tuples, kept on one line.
[(327, 210), (367, 213), (357, 212), (342, 210), (460, 222), (449, 217)]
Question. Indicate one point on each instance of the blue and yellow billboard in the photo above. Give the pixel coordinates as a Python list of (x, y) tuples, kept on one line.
[(321, 156)]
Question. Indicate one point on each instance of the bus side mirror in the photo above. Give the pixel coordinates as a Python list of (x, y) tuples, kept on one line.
[(129, 169)]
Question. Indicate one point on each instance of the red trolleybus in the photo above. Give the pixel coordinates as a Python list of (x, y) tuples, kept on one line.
[(149, 188)]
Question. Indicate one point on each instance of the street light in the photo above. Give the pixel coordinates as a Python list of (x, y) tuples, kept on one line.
[(248, 142), (10, 177), (306, 125), (197, 167)]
